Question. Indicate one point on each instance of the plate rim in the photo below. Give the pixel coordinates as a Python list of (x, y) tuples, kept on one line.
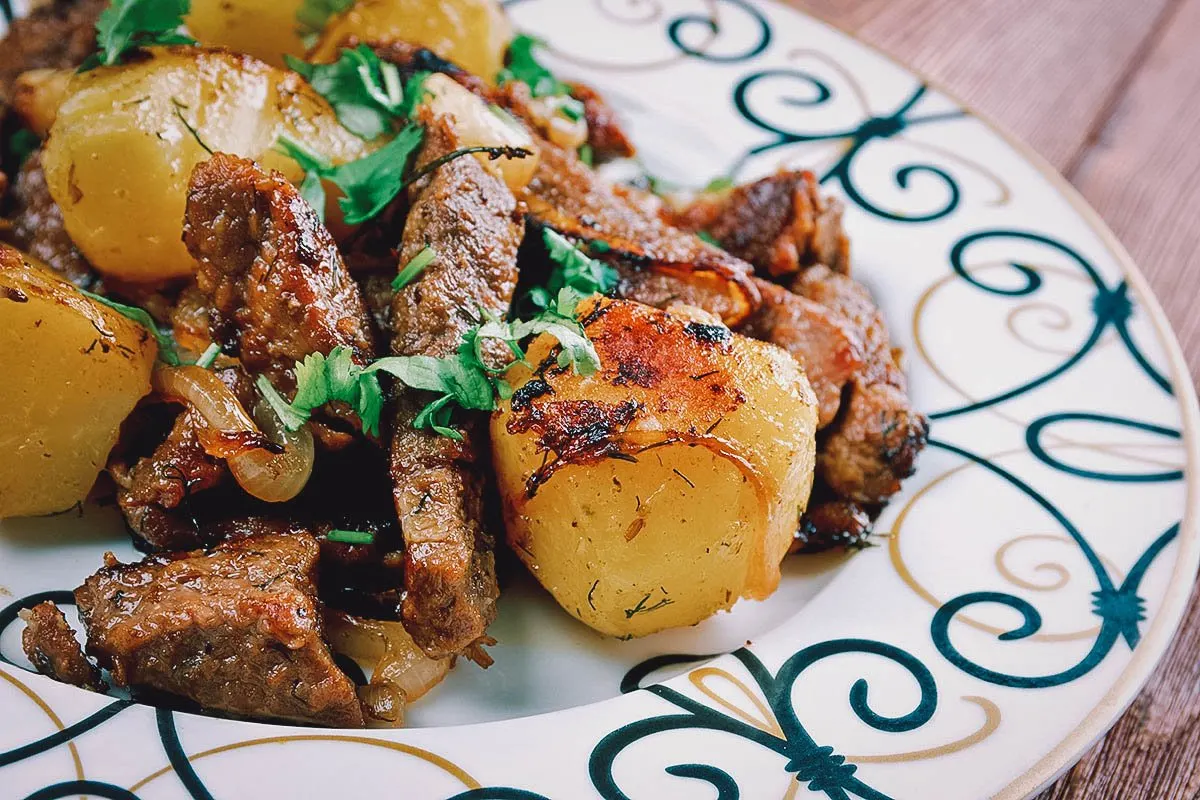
[(1159, 636)]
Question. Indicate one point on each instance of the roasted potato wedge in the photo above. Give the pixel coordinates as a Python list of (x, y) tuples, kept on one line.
[(664, 487), (474, 34), (73, 370), (127, 138), (265, 29)]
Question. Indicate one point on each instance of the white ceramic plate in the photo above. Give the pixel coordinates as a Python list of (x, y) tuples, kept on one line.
[(1036, 565)]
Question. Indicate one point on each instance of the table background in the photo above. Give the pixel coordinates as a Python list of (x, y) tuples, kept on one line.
[(1108, 91)]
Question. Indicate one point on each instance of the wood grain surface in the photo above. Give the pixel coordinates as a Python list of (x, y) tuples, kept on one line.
[(1109, 92)]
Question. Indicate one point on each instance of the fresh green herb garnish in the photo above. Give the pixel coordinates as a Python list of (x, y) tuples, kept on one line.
[(22, 145), (350, 537), (368, 184), (587, 155), (573, 269), (179, 107), (129, 24), (313, 15), (413, 268), (718, 184), (166, 345), (523, 67), (209, 356), (366, 93), (322, 379), (709, 238)]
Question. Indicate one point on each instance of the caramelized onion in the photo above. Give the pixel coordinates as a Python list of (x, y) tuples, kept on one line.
[(400, 671), (272, 466)]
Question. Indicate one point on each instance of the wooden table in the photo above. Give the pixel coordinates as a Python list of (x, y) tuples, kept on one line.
[(1109, 92)]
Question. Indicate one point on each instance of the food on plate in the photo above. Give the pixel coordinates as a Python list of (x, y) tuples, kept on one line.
[(474, 34), (126, 139), (334, 296), (663, 487), (73, 370)]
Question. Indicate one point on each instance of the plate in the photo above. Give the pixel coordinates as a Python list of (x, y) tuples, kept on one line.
[(1024, 584)]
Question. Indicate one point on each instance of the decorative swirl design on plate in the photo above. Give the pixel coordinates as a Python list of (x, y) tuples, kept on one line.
[(773, 723)]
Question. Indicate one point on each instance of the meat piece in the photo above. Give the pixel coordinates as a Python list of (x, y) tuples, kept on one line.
[(276, 286), (831, 523), (605, 135), (38, 228), (58, 34), (876, 439), (569, 197), (471, 221), (237, 629), (156, 494), (822, 341), (52, 648), (779, 224)]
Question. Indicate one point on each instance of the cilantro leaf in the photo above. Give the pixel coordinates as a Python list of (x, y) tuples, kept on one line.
[(414, 267), (166, 345), (719, 184), (129, 24), (22, 145), (523, 67), (292, 418), (313, 15), (573, 269), (365, 92), (311, 187), (587, 155), (371, 183), (350, 537)]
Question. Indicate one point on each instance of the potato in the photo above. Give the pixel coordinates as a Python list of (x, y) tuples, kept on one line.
[(664, 487), (476, 124), (73, 370), (122, 150), (474, 34), (265, 29)]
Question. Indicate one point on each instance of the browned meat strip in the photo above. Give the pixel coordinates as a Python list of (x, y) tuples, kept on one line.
[(38, 229), (58, 34), (51, 647), (567, 196), (155, 495), (605, 135), (471, 221), (830, 523), (276, 286), (779, 224), (875, 442), (824, 343), (237, 629)]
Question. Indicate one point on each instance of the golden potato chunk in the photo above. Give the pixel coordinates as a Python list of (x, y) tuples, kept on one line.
[(474, 34), (265, 29), (126, 140), (664, 487), (73, 370)]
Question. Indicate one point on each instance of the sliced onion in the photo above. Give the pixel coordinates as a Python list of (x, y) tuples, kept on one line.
[(400, 671), (274, 467)]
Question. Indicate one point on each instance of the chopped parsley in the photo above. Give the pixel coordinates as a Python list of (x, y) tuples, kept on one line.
[(313, 15), (708, 238), (414, 267), (22, 145), (166, 345), (718, 184), (573, 269), (130, 24), (461, 380), (209, 356), (523, 67), (587, 155), (350, 537), (367, 93)]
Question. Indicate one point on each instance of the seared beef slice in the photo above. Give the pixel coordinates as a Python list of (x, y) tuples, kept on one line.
[(237, 629)]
